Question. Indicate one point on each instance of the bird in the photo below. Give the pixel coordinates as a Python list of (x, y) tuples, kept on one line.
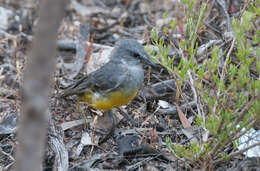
[(117, 82)]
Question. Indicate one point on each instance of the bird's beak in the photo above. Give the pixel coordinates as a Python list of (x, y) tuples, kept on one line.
[(147, 60)]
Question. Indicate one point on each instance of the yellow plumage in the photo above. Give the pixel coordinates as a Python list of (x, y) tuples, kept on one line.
[(114, 99)]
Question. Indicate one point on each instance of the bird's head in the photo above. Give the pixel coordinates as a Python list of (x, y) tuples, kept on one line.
[(134, 49)]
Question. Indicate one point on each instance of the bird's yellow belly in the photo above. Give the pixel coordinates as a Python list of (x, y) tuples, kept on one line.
[(114, 99)]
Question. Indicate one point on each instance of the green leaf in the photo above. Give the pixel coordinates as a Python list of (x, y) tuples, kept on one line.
[(199, 121), (154, 36), (201, 71), (212, 124), (247, 18), (165, 13), (165, 30), (258, 59), (173, 24)]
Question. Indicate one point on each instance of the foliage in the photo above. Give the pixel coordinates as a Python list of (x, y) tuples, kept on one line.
[(223, 82)]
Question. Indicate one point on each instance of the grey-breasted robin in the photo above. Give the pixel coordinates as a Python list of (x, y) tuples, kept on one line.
[(117, 82)]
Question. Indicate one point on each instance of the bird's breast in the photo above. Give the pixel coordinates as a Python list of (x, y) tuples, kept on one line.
[(122, 95), (108, 101)]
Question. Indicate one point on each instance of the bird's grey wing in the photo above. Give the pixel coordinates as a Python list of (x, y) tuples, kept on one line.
[(109, 78), (105, 79)]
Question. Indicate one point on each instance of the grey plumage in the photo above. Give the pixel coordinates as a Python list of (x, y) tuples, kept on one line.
[(123, 72)]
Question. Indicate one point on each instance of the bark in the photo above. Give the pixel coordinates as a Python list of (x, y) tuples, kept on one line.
[(33, 120)]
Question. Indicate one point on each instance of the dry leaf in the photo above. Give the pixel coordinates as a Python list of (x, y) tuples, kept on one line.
[(184, 121)]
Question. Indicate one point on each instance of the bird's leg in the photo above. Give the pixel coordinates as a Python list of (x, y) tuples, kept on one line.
[(111, 131), (81, 111), (94, 129)]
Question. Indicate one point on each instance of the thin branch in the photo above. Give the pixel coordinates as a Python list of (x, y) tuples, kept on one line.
[(237, 153), (245, 109), (223, 72)]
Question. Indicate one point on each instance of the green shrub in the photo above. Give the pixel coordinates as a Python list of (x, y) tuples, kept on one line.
[(235, 101)]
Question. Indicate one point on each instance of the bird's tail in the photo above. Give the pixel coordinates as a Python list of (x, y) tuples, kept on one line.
[(68, 92), (74, 88)]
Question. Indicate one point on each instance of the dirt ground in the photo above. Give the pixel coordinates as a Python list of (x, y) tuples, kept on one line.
[(86, 36)]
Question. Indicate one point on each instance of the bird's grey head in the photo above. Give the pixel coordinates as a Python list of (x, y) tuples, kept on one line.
[(128, 47)]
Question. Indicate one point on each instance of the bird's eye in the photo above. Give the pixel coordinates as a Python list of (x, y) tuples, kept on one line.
[(136, 55)]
